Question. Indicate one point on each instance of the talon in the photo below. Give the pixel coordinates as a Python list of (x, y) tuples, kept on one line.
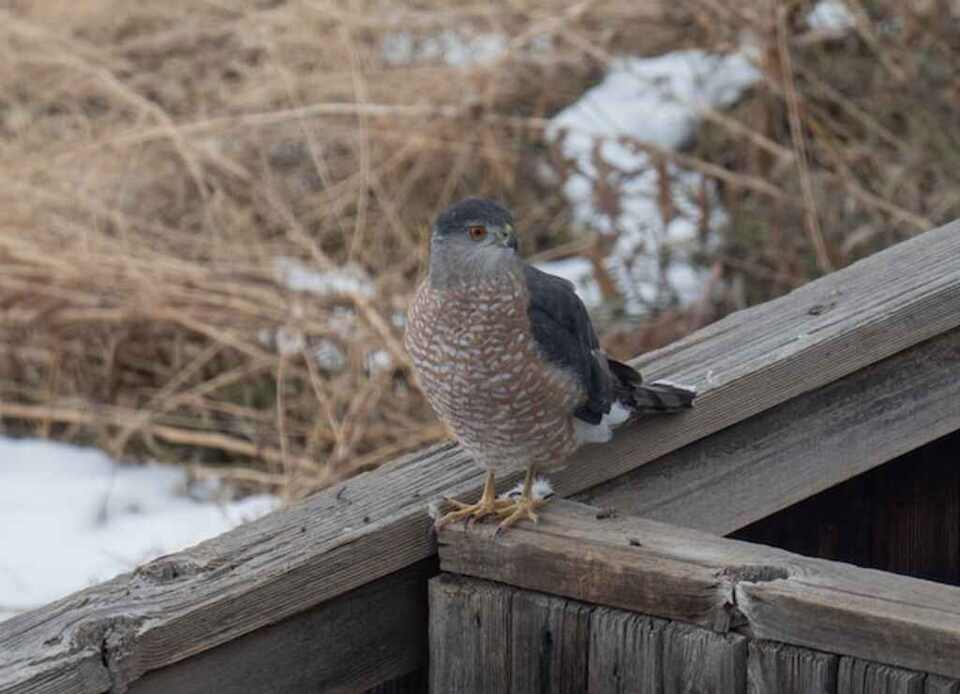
[(522, 509), (487, 505), (466, 513), (457, 503)]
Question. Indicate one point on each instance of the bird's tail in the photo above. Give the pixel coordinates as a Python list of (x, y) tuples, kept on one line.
[(658, 396)]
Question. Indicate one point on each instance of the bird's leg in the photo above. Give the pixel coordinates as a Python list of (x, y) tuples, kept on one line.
[(522, 508), (488, 505)]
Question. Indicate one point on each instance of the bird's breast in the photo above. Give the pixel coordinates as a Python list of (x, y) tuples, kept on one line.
[(479, 367)]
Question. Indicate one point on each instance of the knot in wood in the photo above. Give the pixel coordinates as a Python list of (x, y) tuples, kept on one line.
[(169, 568)]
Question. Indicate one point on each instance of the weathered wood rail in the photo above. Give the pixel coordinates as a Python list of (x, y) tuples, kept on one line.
[(874, 344), (760, 610)]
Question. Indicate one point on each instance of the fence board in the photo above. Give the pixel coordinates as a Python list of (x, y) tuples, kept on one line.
[(469, 636), (941, 685), (676, 573), (626, 652), (860, 677), (697, 661), (775, 668), (548, 644)]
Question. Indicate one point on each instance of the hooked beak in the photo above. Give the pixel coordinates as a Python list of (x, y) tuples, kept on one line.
[(507, 237)]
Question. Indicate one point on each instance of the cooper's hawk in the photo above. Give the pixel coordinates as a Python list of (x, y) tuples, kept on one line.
[(509, 360)]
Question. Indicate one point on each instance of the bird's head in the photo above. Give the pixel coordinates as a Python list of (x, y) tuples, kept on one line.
[(473, 236)]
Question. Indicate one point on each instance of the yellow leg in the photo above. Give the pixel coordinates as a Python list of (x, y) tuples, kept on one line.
[(488, 505), (522, 508)]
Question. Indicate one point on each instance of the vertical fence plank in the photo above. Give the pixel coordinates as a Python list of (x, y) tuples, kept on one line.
[(626, 653), (550, 641), (857, 676), (700, 661), (469, 635), (775, 668), (942, 685)]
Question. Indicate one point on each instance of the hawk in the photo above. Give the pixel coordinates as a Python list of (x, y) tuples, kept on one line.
[(508, 359)]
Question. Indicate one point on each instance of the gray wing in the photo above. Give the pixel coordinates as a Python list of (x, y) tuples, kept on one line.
[(565, 336)]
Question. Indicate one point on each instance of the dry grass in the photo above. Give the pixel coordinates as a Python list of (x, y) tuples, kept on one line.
[(856, 129), (155, 158)]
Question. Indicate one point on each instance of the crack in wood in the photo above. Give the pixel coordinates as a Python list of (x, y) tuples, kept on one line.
[(733, 577), (112, 638)]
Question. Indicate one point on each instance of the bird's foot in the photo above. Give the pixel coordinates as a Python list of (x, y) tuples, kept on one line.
[(471, 512), (522, 508)]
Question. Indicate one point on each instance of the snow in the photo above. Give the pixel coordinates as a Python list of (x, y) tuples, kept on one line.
[(831, 15), (290, 340), (72, 517), (378, 361), (579, 271), (329, 356), (656, 100), (451, 47), (464, 47), (294, 275)]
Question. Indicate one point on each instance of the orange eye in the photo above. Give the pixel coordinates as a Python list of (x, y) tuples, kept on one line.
[(477, 233)]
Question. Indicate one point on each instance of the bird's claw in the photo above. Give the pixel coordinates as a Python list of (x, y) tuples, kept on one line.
[(521, 509), (470, 513)]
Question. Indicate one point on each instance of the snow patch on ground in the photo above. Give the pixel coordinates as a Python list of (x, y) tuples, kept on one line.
[(831, 15), (326, 352), (450, 47), (294, 275), (660, 101), (72, 517)]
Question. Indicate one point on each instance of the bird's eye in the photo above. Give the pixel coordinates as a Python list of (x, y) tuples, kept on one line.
[(477, 233)]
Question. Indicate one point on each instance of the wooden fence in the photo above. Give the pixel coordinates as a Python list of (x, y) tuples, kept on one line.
[(797, 395), (760, 611)]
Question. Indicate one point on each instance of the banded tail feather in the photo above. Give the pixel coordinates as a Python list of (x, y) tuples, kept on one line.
[(663, 396), (632, 397), (657, 396)]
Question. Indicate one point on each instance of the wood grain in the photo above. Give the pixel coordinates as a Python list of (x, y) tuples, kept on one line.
[(680, 574), (775, 668), (737, 476), (860, 677), (366, 528), (557, 645), (316, 650), (469, 636), (697, 661), (548, 643), (941, 685), (626, 653)]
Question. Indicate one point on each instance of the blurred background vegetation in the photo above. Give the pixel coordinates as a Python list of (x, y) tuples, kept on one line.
[(171, 172)]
